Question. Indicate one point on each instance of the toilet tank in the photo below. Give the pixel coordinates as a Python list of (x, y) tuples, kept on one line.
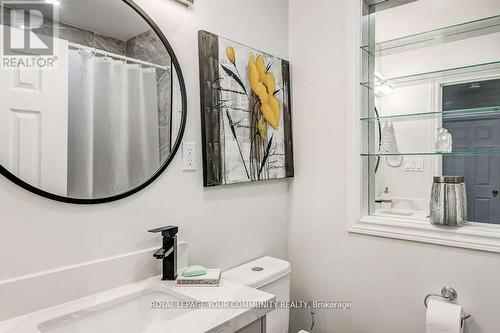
[(271, 275)]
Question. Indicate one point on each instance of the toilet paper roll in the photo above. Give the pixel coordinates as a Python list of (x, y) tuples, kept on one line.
[(444, 317)]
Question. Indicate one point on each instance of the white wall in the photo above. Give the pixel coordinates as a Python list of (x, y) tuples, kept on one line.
[(385, 279), (224, 226)]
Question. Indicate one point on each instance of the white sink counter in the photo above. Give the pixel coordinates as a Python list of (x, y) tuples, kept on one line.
[(189, 321)]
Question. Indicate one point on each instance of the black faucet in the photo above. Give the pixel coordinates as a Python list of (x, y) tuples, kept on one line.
[(168, 253)]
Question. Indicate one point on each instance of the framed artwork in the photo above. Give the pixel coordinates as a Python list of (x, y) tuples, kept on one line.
[(245, 112)]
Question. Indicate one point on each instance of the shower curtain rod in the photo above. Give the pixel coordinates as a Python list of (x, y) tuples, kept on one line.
[(113, 55)]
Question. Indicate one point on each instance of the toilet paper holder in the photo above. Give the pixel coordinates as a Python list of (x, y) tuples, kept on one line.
[(448, 294)]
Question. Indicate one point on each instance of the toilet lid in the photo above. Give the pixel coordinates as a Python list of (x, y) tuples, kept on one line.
[(259, 273)]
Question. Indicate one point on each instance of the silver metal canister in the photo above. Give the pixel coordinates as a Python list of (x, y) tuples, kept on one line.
[(448, 201)]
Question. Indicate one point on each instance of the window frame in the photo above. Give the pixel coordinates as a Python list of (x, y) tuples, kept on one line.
[(477, 236)]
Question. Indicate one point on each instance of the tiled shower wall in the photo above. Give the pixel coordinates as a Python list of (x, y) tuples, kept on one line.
[(148, 47), (75, 35)]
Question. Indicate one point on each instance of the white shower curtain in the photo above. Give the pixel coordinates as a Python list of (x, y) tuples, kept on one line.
[(113, 126)]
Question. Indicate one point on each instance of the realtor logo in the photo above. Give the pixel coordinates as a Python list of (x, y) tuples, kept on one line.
[(23, 42)]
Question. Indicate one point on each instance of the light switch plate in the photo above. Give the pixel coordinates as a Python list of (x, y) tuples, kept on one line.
[(189, 156), (414, 164)]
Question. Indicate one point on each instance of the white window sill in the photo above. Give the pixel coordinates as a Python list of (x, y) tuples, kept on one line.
[(478, 236)]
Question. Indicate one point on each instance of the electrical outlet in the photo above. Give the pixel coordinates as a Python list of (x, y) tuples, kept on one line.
[(189, 156)]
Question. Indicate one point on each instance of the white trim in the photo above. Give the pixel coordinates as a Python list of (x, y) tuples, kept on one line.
[(437, 98), (354, 166), (436, 104), (477, 236)]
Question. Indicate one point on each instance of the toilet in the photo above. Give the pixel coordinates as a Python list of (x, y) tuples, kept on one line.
[(271, 275)]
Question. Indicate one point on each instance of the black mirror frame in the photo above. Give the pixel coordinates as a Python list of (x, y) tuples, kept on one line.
[(174, 150)]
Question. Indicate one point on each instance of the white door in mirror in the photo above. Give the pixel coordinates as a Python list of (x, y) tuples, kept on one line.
[(34, 119), (189, 156)]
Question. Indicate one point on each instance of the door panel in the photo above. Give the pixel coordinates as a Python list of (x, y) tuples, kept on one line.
[(482, 173), (25, 145), (482, 209), (34, 123)]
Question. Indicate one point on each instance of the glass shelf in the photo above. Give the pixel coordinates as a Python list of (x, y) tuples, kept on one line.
[(420, 77), (443, 35), (456, 153), (463, 113)]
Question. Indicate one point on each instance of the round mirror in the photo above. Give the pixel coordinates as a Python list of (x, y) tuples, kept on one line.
[(92, 99)]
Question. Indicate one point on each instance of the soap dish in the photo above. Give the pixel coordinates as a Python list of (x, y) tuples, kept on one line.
[(211, 279)]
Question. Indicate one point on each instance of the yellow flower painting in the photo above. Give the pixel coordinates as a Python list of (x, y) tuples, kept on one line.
[(246, 115)]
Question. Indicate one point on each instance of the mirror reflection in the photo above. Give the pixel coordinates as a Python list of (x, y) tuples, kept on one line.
[(436, 90), (104, 118)]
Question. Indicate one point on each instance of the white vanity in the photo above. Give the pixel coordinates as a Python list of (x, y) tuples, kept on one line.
[(153, 306)]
